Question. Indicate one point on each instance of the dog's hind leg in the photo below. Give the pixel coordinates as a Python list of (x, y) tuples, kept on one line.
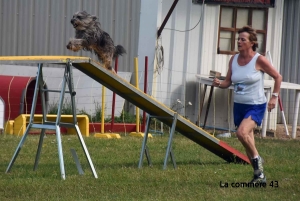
[(107, 62)]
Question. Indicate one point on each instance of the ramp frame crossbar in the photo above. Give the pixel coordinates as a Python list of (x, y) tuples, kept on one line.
[(39, 88), (169, 151)]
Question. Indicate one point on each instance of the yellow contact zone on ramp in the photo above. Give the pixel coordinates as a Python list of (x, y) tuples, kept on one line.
[(42, 58)]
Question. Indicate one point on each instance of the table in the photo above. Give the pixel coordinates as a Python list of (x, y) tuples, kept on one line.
[(207, 81)]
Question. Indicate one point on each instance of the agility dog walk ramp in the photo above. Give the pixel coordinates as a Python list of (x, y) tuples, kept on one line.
[(141, 100)]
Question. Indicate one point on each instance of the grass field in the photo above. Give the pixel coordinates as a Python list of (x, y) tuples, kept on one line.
[(199, 176)]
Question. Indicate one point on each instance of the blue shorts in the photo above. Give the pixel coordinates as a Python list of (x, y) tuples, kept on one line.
[(243, 111)]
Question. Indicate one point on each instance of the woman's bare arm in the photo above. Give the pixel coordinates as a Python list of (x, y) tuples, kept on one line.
[(227, 82)]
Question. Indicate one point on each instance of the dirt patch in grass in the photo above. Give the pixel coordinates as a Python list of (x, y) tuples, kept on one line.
[(280, 132)]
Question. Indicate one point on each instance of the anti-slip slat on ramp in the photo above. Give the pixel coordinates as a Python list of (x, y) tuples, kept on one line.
[(141, 100)]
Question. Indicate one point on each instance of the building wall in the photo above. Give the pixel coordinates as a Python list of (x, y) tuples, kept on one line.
[(290, 60), (33, 27), (175, 79), (187, 53)]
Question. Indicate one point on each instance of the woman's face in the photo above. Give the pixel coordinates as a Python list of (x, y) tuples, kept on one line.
[(243, 41)]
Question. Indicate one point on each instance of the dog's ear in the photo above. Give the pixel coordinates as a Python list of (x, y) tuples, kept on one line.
[(94, 17)]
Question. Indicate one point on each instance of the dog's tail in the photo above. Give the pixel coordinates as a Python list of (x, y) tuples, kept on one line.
[(120, 50)]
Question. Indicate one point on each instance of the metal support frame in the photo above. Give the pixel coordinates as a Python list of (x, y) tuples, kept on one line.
[(169, 151), (67, 80)]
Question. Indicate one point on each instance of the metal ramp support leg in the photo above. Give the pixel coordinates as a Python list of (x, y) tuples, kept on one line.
[(84, 148), (18, 149), (169, 148), (67, 80), (44, 112), (144, 145)]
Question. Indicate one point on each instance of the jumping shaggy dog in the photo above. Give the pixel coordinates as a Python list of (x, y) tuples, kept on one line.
[(90, 37)]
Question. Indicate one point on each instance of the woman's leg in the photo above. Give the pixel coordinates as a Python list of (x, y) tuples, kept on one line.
[(245, 135)]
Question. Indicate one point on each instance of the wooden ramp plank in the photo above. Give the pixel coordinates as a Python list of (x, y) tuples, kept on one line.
[(153, 107)]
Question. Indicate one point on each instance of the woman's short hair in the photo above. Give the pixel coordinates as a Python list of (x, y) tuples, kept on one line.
[(252, 35)]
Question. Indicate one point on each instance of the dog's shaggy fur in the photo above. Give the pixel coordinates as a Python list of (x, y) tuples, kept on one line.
[(90, 37)]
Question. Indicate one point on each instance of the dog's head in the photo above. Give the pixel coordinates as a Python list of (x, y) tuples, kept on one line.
[(81, 20)]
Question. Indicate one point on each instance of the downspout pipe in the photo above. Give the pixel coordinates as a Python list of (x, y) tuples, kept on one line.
[(167, 18)]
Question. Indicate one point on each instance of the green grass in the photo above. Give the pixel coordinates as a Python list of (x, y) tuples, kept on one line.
[(197, 177)]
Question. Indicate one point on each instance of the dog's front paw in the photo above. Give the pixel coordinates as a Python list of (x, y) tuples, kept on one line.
[(69, 46), (72, 47)]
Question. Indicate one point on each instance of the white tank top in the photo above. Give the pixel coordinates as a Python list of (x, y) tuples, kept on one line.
[(248, 82)]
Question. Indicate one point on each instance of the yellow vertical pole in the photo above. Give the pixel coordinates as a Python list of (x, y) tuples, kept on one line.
[(102, 134), (137, 133)]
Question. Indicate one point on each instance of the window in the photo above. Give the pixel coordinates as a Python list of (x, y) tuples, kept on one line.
[(233, 18)]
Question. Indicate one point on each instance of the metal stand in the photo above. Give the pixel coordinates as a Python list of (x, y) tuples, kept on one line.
[(67, 80), (208, 104), (169, 148)]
